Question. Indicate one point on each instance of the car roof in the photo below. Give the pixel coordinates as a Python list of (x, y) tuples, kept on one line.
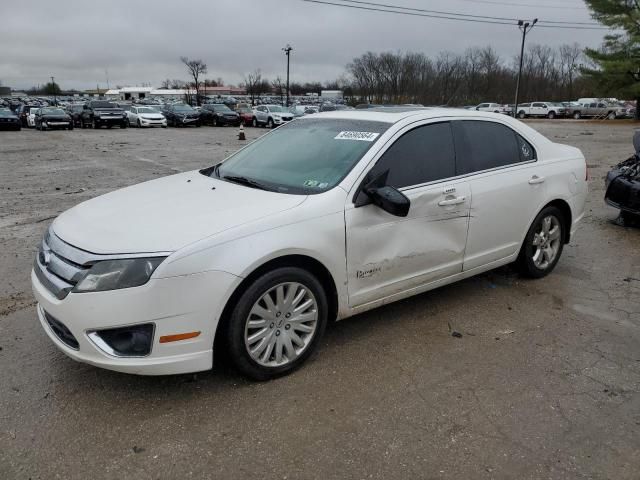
[(396, 114)]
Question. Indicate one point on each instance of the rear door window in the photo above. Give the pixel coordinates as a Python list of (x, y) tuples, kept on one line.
[(422, 155), (482, 145)]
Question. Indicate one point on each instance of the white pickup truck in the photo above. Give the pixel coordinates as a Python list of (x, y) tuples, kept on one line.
[(541, 109)]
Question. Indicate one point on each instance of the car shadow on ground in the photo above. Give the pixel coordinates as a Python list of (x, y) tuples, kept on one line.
[(374, 326)]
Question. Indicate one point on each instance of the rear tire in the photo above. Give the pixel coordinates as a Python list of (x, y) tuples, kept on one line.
[(522, 115), (611, 116), (551, 115), (577, 115), (280, 326), (543, 244)]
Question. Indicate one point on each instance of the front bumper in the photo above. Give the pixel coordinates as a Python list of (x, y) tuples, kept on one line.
[(153, 123), (174, 305), (110, 120)]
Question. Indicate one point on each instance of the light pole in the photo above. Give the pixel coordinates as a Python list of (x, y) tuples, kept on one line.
[(525, 27), (287, 52), (53, 87)]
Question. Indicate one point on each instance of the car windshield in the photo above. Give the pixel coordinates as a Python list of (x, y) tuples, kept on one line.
[(155, 109), (53, 111), (555, 104), (303, 157), (183, 108), (103, 105), (146, 110), (244, 110), (276, 108), (221, 108)]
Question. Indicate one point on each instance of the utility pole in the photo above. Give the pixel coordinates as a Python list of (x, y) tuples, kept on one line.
[(287, 52), (525, 27), (53, 87)]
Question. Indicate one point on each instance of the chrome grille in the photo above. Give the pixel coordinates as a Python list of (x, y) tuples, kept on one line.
[(60, 266)]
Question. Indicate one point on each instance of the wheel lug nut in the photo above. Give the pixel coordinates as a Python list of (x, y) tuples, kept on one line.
[(277, 333), (287, 326), (272, 325), (287, 315), (278, 314)]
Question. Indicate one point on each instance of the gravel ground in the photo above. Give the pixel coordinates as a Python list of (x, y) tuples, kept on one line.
[(544, 382)]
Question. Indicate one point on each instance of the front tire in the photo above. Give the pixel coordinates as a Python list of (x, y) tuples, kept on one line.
[(543, 244), (254, 122), (522, 115), (270, 123), (551, 115), (577, 115), (611, 116), (277, 323)]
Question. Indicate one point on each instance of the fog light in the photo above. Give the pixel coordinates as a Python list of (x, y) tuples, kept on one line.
[(132, 341)]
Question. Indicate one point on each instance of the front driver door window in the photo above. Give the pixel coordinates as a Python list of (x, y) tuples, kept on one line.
[(388, 255)]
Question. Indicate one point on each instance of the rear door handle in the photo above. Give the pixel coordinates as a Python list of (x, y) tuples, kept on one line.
[(535, 180), (452, 201)]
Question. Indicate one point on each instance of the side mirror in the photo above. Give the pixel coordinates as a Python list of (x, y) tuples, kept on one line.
[(390, 200)]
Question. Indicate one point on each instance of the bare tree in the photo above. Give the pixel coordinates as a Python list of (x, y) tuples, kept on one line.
[(279, 87), (251, 83), (195, 69)]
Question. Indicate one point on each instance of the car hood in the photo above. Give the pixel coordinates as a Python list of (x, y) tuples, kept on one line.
[(152, 116), (166, 214)]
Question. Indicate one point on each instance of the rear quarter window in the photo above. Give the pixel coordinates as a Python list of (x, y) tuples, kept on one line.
[(483, 145)]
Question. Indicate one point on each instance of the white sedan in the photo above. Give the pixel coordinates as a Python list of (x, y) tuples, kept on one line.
[(145, 117), (329, 216)]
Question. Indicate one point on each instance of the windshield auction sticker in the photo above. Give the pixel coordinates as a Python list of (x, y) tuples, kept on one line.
[(360, 136)]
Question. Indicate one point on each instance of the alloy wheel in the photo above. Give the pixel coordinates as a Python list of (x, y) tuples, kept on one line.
[(281, 324), (546, 242)]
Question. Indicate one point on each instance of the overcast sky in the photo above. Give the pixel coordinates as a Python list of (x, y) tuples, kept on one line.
[(140, 41)]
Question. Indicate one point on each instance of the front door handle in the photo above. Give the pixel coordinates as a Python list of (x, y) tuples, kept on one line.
[(452, 201), (536, 180)]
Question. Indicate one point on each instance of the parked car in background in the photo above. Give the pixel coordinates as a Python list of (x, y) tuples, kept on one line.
[(245, 113), (300, 110), (98, 113), (181, 115), (22, 111), (75, 111), (493, 107), (31, 115), (327, 217), (542, 109), (270, 116), (598, 110), (53, 118), (9, 120), (218, 114), (143, 116)]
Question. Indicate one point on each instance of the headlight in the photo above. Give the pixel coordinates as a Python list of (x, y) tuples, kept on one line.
[(117, 274)]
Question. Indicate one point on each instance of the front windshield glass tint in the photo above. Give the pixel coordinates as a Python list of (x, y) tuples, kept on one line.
[(53, 111), (146, 110), (304, 156), (183, 108), (276, 108)]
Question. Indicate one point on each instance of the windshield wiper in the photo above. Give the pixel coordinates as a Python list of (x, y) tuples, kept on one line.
[(247, 182)]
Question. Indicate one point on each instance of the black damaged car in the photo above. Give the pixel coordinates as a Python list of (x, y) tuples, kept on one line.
[(623, 187), (218, 114), (9, 120), (52, 117), (181, 115), (97, 113)]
